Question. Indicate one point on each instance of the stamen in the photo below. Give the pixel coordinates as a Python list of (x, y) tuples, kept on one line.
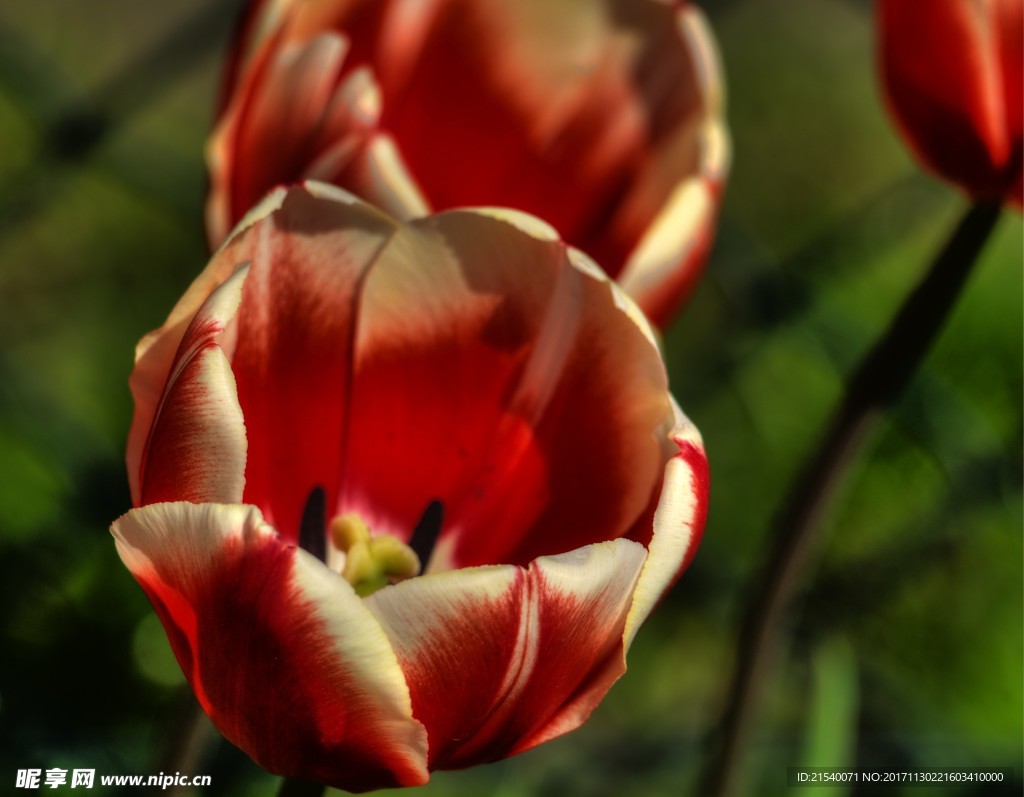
[(312, 530), (348, 531), (425, 535), (371, 562)]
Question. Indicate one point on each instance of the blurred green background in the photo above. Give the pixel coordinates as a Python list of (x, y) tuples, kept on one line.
[(906, 647)]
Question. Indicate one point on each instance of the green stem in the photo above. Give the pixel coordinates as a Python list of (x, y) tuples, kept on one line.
[(293, 787), (877, 382)]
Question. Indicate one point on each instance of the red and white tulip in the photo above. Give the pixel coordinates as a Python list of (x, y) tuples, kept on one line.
[(334, 382), (953, 74), (603, 117)]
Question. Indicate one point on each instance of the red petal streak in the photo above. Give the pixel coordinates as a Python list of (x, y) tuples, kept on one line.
[(156, 352), (442, 341), (588, 115), (375, 171), (283, 656), (562, 117), (678, 523), (348, 122), (669, 258), (671, 531), (278, 129), (294, 356), (196, 449), (492, 655), (948, 67), (495, 377)]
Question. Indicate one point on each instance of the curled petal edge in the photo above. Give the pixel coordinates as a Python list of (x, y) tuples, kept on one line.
[(155, 353), (181, 553)]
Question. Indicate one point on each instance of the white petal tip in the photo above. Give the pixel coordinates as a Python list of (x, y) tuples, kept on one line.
[(531, 225)]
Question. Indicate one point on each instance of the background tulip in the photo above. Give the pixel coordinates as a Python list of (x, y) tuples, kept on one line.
[(336, 379), (952, 71), (603, 117)]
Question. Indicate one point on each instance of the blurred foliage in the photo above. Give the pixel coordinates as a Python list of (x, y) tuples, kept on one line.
[(907, 646)]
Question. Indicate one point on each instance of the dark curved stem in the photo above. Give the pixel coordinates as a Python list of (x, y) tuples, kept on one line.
[(292, 787), (876, 383)]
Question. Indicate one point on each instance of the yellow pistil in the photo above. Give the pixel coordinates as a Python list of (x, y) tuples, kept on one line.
[(371, 562)]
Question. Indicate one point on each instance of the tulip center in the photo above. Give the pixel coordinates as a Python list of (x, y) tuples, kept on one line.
[(371, 561)]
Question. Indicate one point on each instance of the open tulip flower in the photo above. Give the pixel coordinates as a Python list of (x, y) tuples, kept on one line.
[(602, 117), (404, 491), (953, 73)]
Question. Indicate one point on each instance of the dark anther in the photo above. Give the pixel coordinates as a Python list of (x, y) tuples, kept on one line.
[(313, 531), (424, 536)]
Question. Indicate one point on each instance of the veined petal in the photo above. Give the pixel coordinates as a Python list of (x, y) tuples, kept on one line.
[(494, 655), (155, 353), (666, 219), (285, 117), (377, 172), (679, 519), (284, 657), (196, 447), (352, 114), (587, 113), (294, 358), (616, 101), (951, 71), (671, 532), (1008, 20), (545, 85), (667, 262), (488, 367)]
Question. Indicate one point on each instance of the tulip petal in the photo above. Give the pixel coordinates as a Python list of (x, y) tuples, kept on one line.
[(284, 657), (293, 362), (667, 262), (618, 101), (545, 86), (665, 221), (488, 365), (155, 353), (196, 449), (380, 176), (352, 113), (528, 637), (678, 522), (591, 115), (319, 241), (671, 532), (1009, 22), (300, 111), (285, 117), (952, 76)]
